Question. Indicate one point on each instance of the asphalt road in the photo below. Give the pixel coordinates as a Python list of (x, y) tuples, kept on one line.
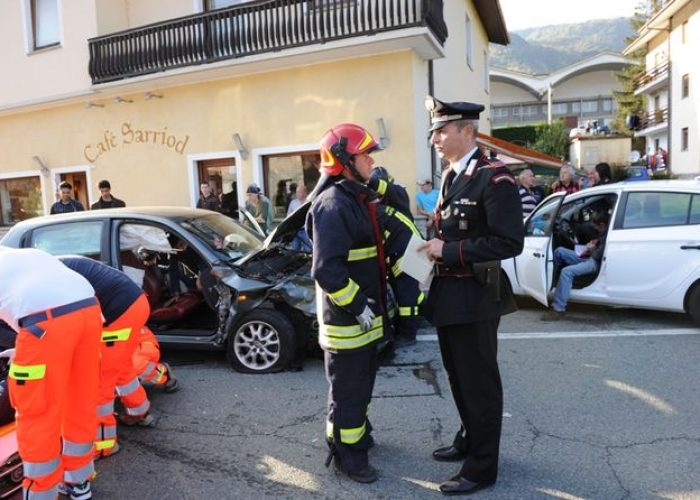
[(603, 405)]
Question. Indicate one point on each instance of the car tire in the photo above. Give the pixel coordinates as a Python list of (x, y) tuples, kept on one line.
[(694, 304), (262, 342)]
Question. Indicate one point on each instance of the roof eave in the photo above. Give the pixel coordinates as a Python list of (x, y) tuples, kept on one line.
[(492, 18)]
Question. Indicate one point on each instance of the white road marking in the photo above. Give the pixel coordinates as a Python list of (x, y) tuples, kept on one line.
[(582, 335)]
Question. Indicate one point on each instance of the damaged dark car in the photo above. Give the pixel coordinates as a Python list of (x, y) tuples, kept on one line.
[(212, 283)]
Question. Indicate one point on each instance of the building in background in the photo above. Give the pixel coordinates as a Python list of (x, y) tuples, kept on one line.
[(161, 96), (579, 94), (671, 38)]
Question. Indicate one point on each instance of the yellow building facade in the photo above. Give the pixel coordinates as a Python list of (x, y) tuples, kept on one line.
[(157, 134)]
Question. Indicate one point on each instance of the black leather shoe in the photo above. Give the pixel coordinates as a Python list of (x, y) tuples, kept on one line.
[(459, 485), (449, 454), (365, 475)]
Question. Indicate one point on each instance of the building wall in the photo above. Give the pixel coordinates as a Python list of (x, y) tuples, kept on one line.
[(268, 110), (685, 111), (503, 93), (585, 154), (454, 79), (595, 83), (53, 71)]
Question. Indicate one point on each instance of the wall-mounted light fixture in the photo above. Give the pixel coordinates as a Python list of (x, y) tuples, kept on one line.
[(44, 169), (120, 100), (150, 95), (242, 150), (90, 104), (383, 137)]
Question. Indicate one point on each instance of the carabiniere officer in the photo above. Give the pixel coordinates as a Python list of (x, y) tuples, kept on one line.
[(479, 222)]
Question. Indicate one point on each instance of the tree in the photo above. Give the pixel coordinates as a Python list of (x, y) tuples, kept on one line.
[(627, 102), (552, 139)]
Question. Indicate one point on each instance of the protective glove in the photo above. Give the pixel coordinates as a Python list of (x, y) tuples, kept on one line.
[(9, 354), (365, 319), (378, 175)]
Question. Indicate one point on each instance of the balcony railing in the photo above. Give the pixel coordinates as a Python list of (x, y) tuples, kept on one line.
[(652, 119), (253, 28), (651, 75)]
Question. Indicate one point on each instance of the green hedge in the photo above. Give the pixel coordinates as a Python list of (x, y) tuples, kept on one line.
[(525, 135)]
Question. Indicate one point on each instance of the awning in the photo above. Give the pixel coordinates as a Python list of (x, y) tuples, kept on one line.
[(525, 155)]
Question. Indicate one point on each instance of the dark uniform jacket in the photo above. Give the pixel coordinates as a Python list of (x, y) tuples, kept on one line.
[(113, 203), (346, 263), (480, 219), (64, 208)]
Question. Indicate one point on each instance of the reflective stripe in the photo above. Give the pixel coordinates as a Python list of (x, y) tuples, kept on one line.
[(381, 188), (347, 337), (141, 409), (352, 436), (105, 444), (362, 253), (329, 429), (29, 372), (421, 298), (345, 295), (116, 335), (149, 368), (72, 449), (408, 223), (80, 475), (128, 388), (162, 372), (387, 234), (50, 494), (106, 432), (396, 268), (105, 410), (39, 469), (409, 311)]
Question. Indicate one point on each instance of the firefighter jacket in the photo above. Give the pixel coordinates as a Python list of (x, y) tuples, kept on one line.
[(347, 262), (479, 218)]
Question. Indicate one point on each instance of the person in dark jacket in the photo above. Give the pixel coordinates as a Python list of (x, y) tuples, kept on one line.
[(479, 222), (66, 204), (106, 199), (208, 200), (347, 226)]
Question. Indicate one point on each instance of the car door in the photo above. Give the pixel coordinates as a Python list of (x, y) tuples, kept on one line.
[(654, 247), (87, 238), (533, 267)]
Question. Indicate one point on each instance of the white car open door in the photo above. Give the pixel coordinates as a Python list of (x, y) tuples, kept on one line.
[(533, 267)]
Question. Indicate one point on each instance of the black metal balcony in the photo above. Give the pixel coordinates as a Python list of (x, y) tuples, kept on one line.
[(253, 28)]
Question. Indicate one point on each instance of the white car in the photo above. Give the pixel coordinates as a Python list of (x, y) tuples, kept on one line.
[(652, 251)]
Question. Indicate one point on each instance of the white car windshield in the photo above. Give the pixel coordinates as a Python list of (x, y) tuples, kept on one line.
[(223, 234)]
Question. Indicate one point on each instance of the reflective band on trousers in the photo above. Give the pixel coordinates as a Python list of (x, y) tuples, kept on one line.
[(141, 409), (105, 444), (349, 337), (149, 368), (29, 372), (79, 475), (106, 409), (128, 388), (106, 432), (362, 253), (409, 311), (50, 494), (346, 294), (116, 335), (347, 436), (39, 469), (72, 449)]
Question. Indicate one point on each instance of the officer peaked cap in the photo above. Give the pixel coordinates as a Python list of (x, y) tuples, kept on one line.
[(443, 112)]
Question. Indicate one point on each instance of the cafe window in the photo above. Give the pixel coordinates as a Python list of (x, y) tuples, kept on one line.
[(20, 199), (284, 172), (44, 23)]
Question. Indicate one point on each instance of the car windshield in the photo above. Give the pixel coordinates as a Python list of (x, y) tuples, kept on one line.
[(223, 234)]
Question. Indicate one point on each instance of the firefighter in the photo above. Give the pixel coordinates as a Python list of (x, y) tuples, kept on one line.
[(54, 375), (347, 227), (147, 365), (479, 222), (125, 309), (406, 289)]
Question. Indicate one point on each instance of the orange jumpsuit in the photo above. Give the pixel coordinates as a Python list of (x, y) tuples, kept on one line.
[(146, 360)]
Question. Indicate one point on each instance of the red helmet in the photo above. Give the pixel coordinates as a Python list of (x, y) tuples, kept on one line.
[(341, 143)]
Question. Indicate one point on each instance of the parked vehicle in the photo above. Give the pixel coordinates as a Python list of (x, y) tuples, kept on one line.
[(211, 283), (652, 253), (637, 173)]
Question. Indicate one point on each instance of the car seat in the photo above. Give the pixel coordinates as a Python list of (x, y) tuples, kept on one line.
[(177, 308)]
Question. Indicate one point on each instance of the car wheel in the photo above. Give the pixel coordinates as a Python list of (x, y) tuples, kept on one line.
[(262, 342), (694, 304)]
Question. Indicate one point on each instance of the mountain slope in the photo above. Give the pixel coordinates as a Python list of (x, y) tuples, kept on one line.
[(545, 49)]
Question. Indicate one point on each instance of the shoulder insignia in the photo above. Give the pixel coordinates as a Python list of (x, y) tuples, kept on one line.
[(494, 162), (504, 177)]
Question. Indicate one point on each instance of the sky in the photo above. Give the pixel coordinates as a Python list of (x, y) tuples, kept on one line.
[(522, 14)]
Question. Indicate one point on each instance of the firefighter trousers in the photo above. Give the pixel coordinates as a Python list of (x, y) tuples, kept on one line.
[(117, 374), (53, 384), (351, 379)]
